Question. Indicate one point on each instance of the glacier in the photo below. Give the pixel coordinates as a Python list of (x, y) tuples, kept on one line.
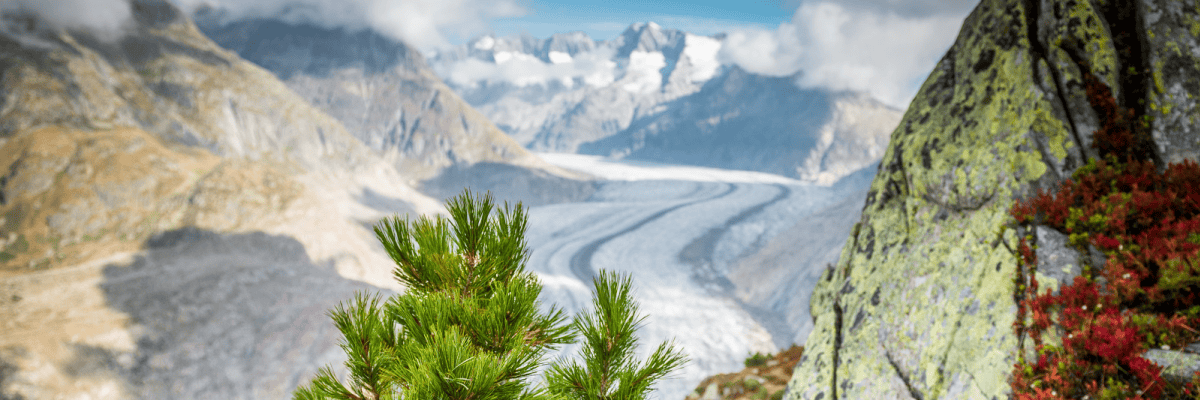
[(679, 231)]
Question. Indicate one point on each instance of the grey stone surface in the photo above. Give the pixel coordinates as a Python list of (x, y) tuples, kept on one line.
[(230, 316), (1178, 366), (1172, 49), (1058, 260)]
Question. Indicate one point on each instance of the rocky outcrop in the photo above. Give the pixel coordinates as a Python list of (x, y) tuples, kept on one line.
[(765, 377), (921, 302)]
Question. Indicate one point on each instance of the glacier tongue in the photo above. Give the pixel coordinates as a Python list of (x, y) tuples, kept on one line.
[(680, 232)]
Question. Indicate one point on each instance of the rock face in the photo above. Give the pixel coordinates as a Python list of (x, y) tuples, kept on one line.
[(921, 302), (381, 90), (662, 95)]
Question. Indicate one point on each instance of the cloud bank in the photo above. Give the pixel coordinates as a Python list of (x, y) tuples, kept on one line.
[(883, 47), (593, 68), (426, 24), (107, 19)]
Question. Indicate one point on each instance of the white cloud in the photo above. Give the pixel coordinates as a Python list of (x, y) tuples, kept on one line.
[(885, 48), (913, 8), (593, 68), (702, 52), (107, 19), (426, 24)]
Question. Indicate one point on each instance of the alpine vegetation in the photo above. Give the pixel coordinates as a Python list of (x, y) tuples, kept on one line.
[(470, 325)]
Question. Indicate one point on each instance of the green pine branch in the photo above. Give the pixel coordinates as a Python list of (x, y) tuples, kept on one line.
[(469, 325), (609, 370)]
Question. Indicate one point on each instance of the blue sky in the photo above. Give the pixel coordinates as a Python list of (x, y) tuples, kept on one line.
[(607, 19)]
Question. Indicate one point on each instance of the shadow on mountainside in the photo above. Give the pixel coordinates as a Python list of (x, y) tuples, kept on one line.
[(231, 316), (7, 371), (306, 49), (734, 122), (508, 183)]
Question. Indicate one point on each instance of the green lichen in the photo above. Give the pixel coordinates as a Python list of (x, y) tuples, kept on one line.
[(1158, 77), (931, 279), (1101, 51)]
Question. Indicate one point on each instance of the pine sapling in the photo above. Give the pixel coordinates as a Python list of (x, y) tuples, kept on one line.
[(470, 325)]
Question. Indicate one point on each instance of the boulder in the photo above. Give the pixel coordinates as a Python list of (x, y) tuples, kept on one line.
[(922, 300)]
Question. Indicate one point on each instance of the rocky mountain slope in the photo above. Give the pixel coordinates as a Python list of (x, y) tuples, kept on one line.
[(921, 302), (117, 140), (663, 95), (765, 377), (174, 220), (385, 94)]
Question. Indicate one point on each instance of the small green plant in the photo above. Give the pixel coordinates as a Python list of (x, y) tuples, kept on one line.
[(470, 325), (757, 359)]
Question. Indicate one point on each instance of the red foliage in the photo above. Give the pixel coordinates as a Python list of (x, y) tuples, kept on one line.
[(1121, 135), (1148, 225)]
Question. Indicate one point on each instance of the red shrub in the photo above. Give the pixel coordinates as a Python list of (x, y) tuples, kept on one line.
[(1148, 225)]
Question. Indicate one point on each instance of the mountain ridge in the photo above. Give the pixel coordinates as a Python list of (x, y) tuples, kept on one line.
[(380, 89), (648, 94)]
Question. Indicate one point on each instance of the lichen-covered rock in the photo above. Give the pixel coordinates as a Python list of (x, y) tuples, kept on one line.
[(921, 302), (1172, 37)]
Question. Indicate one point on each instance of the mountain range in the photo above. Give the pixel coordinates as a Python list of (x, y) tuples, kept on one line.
[(384, 93), (664, 95)]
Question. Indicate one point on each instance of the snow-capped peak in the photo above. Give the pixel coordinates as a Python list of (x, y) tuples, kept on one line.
[(648, 37)]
